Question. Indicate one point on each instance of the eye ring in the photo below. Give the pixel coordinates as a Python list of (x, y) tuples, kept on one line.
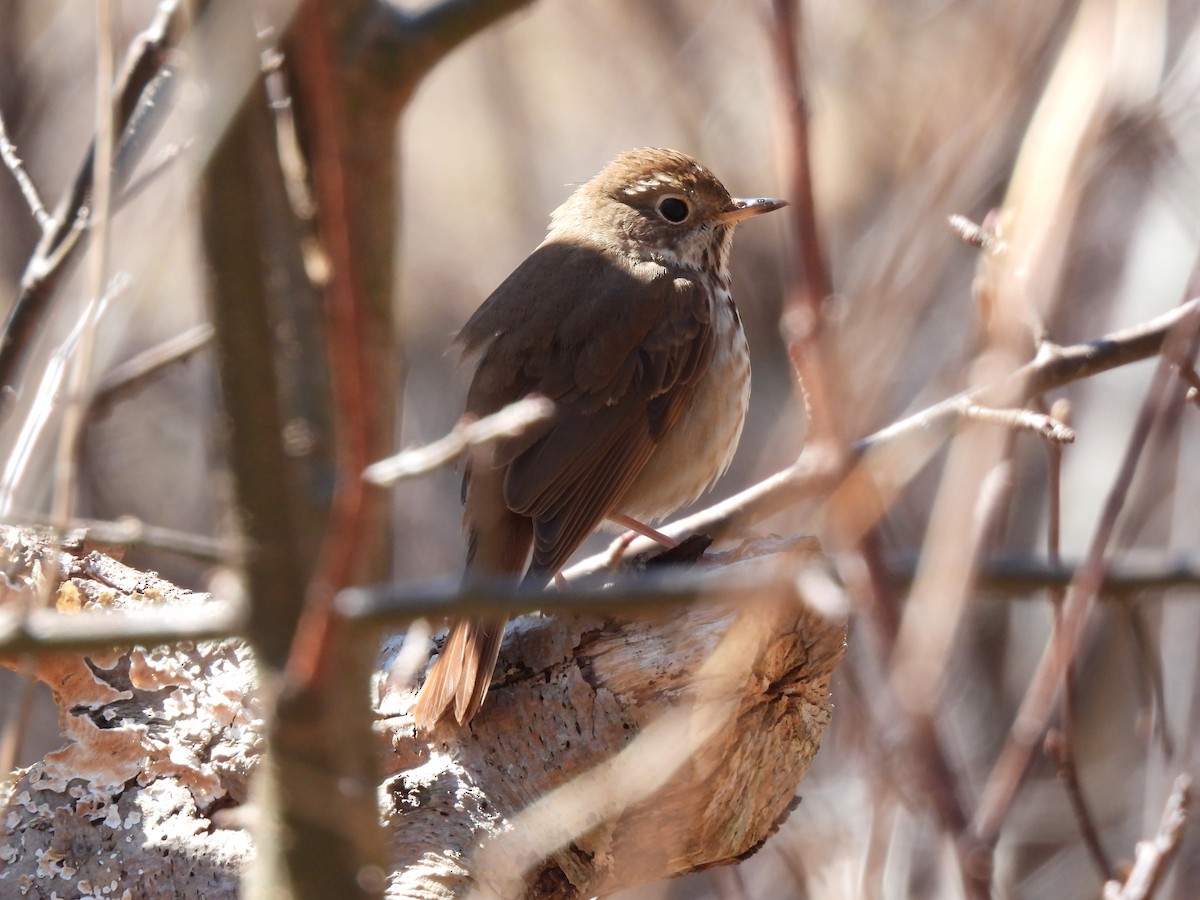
[(674, 209)]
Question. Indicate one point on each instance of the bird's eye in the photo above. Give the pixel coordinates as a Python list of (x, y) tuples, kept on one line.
[(673, 209)]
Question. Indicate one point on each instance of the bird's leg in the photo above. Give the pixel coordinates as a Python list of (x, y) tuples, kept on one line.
[(560, 583), (635, 528)]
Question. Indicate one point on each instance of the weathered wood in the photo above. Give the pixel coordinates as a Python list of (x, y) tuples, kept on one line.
[(608, 754), (155, 743), (673, 744)]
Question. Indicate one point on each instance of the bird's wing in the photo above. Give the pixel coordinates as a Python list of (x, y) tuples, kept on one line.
[(618, 348)]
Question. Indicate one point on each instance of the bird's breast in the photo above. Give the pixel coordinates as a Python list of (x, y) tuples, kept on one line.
[(698, 449)]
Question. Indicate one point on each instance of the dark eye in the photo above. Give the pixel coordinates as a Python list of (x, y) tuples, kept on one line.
[(673, 209)]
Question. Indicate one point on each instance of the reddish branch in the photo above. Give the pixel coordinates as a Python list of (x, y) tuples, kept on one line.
[(807, 289), (1060, 746), (1036, 708), (809, 283), (321, 95)]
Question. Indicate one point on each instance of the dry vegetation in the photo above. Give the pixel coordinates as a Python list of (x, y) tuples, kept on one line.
[(1018, 704)]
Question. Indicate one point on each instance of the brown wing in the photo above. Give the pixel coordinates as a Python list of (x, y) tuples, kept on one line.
[(618, 348)]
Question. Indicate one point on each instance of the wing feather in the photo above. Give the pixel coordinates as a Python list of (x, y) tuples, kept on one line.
[(618, 346)]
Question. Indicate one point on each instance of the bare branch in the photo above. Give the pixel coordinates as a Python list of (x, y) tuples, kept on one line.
[(1060, 748), (808, 283), (132, 532), (8, 153), (42, 629), (398, 604), (400, 46), (1020, 577), (1020, 420), (395, 604), (978, 236), (511, 421), (139, 108), (817, 472), (1047, 680), (1154, 856), (128, 375), (79, 367)]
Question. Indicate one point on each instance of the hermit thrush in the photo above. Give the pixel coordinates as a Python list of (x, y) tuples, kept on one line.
[(624, 319)]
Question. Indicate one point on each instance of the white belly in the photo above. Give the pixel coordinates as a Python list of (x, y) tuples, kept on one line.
[(698, 450)]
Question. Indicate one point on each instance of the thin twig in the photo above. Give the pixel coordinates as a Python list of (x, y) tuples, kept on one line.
[(1061, 750), (1024, 578), (817, 472), (139, 106), (396, 605), (134, 533), (42, 407), (808, 283), (80, 368), (977, 236), (515, 419), (1020, 420), (1037, 705), (45, 628), (8, 153), (1155, 856), (1055, 367), (128, 375)]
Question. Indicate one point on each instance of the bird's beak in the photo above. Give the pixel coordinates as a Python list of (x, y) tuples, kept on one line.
[(751, 206)]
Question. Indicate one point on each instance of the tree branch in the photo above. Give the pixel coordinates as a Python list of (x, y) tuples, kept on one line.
[(1155, 856), (139, 107), (400, 46), (816, 473), (515, 419), (1047, 680), (658, 745), (8, 154)]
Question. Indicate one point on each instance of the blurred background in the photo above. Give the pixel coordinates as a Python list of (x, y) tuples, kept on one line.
[(1085, 110)]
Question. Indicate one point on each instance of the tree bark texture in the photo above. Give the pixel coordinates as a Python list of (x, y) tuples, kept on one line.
[(609, 753)]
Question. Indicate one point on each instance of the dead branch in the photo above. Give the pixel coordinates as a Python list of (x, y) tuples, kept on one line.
[(138, 109), (1033, 714), (816, 473), (728, 699), (513, 420), (8, 155), (599, 763), (131, 373), (155, 741), (1155, 856)]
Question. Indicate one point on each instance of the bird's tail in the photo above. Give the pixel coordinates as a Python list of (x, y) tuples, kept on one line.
[(498, 542), (462, 674)]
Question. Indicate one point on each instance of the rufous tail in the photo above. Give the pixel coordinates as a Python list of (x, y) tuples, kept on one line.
[(462, 674), (498, 542)]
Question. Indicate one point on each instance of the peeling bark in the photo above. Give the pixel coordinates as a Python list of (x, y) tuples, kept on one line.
[(609, 753)]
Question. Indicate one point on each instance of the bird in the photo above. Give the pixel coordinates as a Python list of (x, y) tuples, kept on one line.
[(624, 319)]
